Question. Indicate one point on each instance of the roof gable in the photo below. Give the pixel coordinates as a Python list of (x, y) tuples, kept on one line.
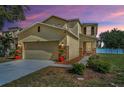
[(56, 17)]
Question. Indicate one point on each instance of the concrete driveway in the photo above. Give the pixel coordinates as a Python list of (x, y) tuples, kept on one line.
[(13, 70)]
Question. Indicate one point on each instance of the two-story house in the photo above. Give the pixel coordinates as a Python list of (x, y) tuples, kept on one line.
[(55, 37)]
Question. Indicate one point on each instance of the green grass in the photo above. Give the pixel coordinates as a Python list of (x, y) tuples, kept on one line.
[(61, 77), (113, 58), (117, 62)]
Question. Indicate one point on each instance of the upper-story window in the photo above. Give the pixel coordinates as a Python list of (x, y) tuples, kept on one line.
[(92, 31), (85, 30), (88, 30), (38, 29)]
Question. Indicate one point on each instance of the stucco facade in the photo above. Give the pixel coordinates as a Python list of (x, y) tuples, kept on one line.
[(43, 40)]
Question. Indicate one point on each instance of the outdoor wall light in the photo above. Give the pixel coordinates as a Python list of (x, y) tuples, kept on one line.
[(62, 44), (19, 45)]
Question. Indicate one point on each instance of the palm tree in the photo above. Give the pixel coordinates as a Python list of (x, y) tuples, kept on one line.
[(12, 13)]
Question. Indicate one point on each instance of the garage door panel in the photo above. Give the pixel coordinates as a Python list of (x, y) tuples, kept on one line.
[(37, 54), (41, 50)]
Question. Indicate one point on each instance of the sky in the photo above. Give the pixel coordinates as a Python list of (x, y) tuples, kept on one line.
[(107, 17)]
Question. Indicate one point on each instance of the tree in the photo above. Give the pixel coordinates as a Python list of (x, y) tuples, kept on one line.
[(7, 39), (1, 47), (12, 13), (113, 38)]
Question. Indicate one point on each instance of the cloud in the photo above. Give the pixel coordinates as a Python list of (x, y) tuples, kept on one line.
[(109, 27), (36, 16), (112, 16), (31, 19), (117, 14)]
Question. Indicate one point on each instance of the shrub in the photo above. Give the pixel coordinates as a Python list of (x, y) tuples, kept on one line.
[(78, 68), (94, 57), (98, 65), (12, 52), (103, 67)]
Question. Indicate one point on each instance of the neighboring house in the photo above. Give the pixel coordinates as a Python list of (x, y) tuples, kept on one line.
[(44, 40), (11, 34)]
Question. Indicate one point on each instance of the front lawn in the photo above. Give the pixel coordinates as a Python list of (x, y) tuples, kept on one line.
[(61, 77), (117, 62)]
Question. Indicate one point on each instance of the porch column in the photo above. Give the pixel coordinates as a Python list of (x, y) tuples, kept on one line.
[(67, 53), (93, 47)]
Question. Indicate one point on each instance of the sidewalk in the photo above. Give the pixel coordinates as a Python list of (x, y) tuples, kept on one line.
[(62, 65)]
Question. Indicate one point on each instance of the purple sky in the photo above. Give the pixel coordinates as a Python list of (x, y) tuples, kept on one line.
[(107, 17)]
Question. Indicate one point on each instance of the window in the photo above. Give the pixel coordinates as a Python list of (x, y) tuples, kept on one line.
[(38, 28), (92, 31), (85, 30)]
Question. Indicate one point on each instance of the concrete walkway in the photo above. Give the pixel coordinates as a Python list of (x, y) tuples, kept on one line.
[(10, 71), (84, 60), (62, 65)]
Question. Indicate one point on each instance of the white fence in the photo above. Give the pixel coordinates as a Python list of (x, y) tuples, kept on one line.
[(110, 51)]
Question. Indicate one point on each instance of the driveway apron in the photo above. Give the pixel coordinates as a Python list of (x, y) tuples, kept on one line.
[(10, 71)]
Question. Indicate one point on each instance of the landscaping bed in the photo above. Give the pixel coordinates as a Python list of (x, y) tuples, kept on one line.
[(62, 77), (5, 59)]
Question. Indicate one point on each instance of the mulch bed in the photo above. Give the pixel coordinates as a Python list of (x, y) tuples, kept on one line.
[(5, 59), (90, 74), (72, 61)]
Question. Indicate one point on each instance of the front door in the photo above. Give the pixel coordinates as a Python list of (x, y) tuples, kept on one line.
[(87, 48)]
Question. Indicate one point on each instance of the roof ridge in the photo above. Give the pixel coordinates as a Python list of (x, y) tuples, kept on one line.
[(54, 16)]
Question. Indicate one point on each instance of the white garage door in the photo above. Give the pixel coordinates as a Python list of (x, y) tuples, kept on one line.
[(41, 50)]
